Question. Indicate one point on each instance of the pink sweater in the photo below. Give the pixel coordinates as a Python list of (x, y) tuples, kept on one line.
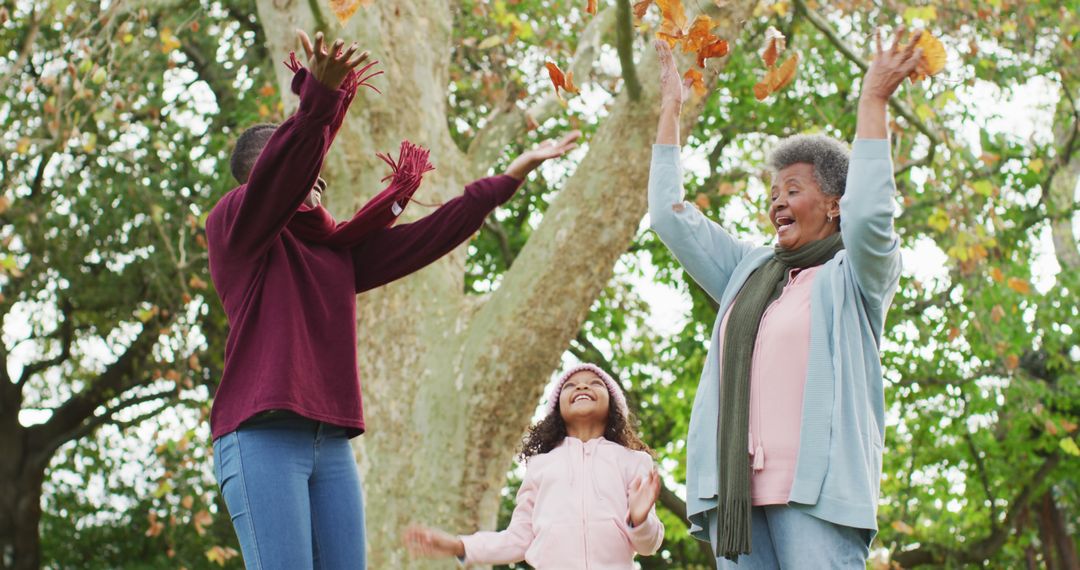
[(572, 511), (777, 377)]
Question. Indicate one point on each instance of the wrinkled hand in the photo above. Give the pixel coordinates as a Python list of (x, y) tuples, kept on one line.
[(889, 67), (432, 542), (527, 161), (329, 67), (674, 90), (643, 494)]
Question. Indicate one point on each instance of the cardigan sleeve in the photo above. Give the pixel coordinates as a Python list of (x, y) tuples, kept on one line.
[(866, 222), (706, 251)]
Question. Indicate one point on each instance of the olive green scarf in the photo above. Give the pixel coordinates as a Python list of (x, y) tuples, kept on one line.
[(762, 287)]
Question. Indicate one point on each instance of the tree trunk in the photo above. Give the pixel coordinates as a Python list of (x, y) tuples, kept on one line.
[(21, 475), (451, 381)]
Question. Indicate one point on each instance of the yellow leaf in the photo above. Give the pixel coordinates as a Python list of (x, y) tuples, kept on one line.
[(924, 112), (902, 527), (938, 220), (1068, 445), (22, 146), (490, 42), (1036, 165), (168, 41)]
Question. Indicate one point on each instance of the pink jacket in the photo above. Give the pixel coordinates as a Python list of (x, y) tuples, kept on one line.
[(572, 511)]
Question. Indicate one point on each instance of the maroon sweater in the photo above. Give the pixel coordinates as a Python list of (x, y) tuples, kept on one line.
[(291, 304)]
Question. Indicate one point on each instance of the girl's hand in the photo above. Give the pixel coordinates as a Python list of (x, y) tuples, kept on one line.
[(643, 494), (673, 90), (330, 67), (530, 159), (889, 67), (432, 542)]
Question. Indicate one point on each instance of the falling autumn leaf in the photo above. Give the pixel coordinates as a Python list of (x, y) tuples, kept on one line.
[(1019, 285), (776, 78), (267, 90), (997, 313), (719, 48), (591, 7), (344, 9), (933, 57), (673, 23), (560, 80), (774, 46), (697, 81), (640, 7), (699, 34)]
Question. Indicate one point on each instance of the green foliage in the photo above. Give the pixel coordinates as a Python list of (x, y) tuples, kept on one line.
[(117, 127)]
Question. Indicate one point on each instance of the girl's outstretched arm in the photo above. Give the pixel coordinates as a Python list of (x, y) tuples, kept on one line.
[(644, 528)]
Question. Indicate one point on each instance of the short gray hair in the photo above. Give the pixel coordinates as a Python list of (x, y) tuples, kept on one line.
[(828, 156)]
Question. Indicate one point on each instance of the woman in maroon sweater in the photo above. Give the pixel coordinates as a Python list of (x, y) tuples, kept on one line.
[(289, 398)]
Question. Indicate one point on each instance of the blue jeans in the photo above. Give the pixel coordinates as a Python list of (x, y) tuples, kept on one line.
[(785, 537), (293, 490)]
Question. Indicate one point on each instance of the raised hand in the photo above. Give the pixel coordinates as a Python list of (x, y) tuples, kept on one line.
[(527, 161), (330, 67), (889, 67), (431, 542), (673, 89), (643, 493)]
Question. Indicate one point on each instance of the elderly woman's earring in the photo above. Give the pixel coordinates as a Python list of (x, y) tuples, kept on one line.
[(830, 218)]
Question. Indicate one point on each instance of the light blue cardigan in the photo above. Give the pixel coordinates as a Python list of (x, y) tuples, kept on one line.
[(838, 471)]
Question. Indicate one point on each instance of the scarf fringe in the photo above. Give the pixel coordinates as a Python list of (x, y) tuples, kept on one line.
[(733, 529), (408, 170)]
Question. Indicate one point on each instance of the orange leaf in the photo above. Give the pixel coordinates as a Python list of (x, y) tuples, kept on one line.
[(761, 90), (1012, 362), (640, 7), (719, 48), (699, 36), (560, 80), (933, 57), (591, 8), (997, 313), (702, 201), (785, 73), (344, 9), (267, 90), (698, 81), (774, 46), (1019, 285), (672, 28), (997, 275)]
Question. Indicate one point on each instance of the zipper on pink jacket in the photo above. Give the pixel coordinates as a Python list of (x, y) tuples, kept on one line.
[(584, 512)]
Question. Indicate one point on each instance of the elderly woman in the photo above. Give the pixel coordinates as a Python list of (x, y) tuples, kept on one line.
[(785, 441)]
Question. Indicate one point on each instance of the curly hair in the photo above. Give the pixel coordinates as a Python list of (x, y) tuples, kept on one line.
[(828, 156), (550, 431)]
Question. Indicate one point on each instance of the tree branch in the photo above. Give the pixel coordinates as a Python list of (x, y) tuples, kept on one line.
[(497, 229), (624, 45), (122, 374), (106, 417), (509, 122), (67, 335), (983, 549), (897, 105)]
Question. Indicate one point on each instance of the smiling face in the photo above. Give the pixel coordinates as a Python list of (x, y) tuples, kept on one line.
[(799, 210), (584, 397)]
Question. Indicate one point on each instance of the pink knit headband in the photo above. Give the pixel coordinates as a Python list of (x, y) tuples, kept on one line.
[(613, 389)]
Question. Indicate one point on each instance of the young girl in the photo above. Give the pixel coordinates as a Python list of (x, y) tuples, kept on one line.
[(588, 494)]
